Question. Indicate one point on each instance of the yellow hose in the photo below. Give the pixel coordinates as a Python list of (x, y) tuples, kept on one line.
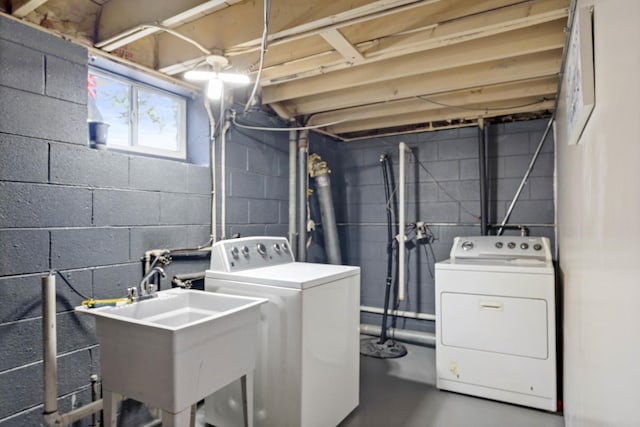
[(93, 303)]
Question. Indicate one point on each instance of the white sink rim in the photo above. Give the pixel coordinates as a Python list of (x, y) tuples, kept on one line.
[(116, 312)]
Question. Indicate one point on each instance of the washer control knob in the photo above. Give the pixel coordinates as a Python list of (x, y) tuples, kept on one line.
[(537, 247), (467, 245), (262, 249), (276, 247), (499, 245), (245, 250), (524, 246), (235, 252), (511, 245)]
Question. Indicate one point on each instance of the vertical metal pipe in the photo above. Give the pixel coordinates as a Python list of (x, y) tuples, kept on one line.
[(482, 162), (50, 345), (403, 149), (292, 188), (331, 242), (303, 152), (526, 175)]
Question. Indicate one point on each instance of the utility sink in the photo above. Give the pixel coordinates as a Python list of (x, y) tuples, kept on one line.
[(176, 348)]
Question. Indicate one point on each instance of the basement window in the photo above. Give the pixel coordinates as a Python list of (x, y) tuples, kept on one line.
[(141, 118)]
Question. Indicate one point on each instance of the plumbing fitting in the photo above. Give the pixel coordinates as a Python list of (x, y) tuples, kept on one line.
[(146, 289)]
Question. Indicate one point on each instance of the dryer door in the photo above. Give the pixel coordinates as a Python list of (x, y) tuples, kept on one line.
[(506, 325)]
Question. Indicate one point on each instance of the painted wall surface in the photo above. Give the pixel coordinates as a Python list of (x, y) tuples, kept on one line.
[(451, 206), (91, 214), (598, 212)]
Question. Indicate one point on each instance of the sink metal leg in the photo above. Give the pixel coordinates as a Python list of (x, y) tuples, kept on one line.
[(181, 419), (110, 408), (246, 382)]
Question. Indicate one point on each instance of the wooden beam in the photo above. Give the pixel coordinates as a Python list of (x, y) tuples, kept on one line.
[(539, 38), (290, 20), (479, 95), (429, 37), (342, 45), (495, 109), (21, 8), (506, 70), (116, 14), (281, 110)]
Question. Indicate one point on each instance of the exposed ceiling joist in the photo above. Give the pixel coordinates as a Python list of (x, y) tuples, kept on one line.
[(528, 40), (365, 65), (512, 69), (21, 8), (459, 99), (420, 39), (493, 109), (290, 20), (158, 14), (342, 45)]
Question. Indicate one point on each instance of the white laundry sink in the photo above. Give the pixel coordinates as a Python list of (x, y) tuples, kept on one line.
[(173, 350)]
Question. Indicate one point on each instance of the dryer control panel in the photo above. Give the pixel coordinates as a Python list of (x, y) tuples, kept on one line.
[(501, 247), (250, 252)]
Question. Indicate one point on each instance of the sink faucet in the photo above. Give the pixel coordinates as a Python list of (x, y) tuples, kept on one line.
[(146, 289)]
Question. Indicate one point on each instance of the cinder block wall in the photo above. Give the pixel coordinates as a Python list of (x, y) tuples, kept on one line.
[(451, 208)]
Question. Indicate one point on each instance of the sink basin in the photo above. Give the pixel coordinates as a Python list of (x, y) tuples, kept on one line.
[(173, 350)]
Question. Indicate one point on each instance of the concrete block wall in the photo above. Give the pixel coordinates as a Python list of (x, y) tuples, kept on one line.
[(451, 206), (86, 213), (257, 175)]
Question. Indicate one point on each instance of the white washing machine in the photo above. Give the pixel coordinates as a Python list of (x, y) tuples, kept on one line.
[(307, 371), (495, 320)]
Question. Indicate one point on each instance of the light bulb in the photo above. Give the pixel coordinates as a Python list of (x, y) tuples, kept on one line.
[(214, 89), (241, 79), (198, 75)]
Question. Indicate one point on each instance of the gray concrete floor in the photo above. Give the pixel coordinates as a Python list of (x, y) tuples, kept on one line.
[(402, 393)]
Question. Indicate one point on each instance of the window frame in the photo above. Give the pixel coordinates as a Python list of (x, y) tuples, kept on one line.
[(134, 85)]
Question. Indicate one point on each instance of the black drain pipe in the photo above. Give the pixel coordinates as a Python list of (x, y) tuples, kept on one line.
[(483, 133)]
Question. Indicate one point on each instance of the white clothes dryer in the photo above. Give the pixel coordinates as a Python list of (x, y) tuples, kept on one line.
[(496, 320), (307, 370)]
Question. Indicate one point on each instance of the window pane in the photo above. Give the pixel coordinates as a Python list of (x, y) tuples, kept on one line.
[(112, 100), (158, 120)]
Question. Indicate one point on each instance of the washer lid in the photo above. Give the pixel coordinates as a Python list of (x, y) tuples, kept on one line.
[(296, 275)]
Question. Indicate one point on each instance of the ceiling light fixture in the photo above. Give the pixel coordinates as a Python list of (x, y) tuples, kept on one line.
[(215, 77)]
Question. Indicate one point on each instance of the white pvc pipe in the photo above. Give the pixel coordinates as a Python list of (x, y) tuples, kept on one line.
[(50, 345), (293, 151), (401, 222), (400, 313), (404, 335), (223, 168), (212, 143)]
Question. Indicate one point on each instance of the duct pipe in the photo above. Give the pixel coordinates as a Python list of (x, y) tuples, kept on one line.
[(292, 188), (426, 339), (403, 149), (482, 159), (303, 152), (399, 313), (526, 175), (320, 172)]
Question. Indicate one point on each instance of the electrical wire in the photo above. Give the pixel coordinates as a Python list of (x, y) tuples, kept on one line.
[(267, 129), (83, 296), (180, 36), (263, 50), (460, 107)]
